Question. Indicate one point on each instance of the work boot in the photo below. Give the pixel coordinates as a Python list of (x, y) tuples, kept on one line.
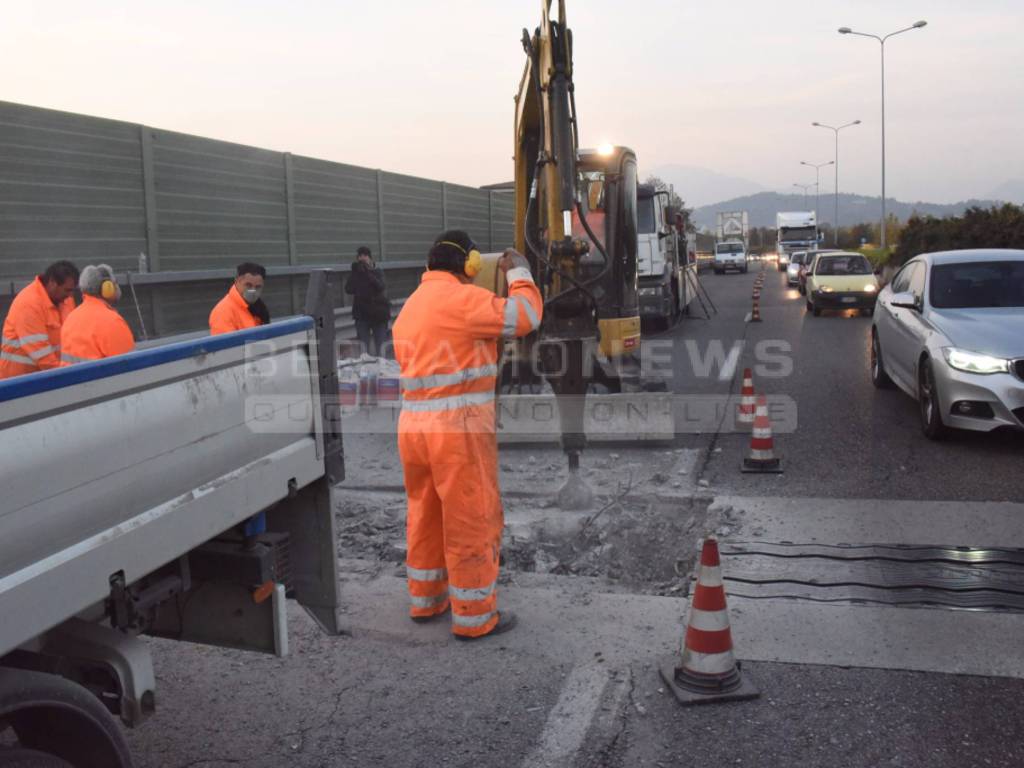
[(506, 621), (431, 617)]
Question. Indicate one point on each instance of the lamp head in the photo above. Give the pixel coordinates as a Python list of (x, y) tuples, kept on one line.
[(919, 24), (817, 124), (846, 30), (856, 122)]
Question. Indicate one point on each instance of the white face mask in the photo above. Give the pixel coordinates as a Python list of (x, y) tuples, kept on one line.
[(251, 295)]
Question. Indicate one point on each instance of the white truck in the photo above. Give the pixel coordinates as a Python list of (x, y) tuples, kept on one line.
[(183, 491), (662, 258), (731, 231), (795, 231)]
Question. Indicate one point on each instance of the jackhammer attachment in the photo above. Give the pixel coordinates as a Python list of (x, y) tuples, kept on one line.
[(563, 362)]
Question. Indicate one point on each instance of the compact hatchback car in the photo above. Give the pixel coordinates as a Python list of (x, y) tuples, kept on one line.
[(793, 269), (840, 280), (949, 331)]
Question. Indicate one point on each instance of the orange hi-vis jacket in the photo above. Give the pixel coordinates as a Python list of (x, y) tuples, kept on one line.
[(446, 342), (231, 314), (31, 332), (93, 331)]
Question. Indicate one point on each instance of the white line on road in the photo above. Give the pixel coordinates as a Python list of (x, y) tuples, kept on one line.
[(570, 718)]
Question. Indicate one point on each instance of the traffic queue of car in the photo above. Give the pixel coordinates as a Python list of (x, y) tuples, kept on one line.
[(948, 329)]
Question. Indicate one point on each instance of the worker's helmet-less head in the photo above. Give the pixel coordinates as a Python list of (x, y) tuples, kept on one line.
[(454, 251), (99, 280)]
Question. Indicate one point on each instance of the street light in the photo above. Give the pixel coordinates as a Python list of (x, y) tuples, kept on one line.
[(804, 187), (817, 189), (881, 41), (835, 224)]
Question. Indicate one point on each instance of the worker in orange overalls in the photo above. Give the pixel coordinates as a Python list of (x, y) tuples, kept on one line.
[(242, 306), (31, 331), (446, 342), (95, 330)]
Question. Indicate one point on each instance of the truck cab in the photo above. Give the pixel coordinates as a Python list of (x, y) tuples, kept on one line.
[(731, 254), (660, 261)]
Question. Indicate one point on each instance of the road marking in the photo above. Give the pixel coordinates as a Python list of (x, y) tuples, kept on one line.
[(570, 718)]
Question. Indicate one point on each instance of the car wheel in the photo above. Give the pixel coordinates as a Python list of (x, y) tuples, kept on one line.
[(878, 375), (810, 307), (928, 402)]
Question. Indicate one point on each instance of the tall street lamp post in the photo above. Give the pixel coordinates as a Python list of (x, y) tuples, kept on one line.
[(836, 130), (881, 41), (817, 188)]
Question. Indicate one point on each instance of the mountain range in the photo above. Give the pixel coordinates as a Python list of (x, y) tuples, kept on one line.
[(853, 209)]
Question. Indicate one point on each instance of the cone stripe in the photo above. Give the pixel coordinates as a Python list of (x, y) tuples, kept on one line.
[(761, 443), (709, 577), (709, 598), (709, 621), (709, 642)]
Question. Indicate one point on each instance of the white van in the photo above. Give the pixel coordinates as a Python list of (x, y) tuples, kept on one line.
[(731, 254)]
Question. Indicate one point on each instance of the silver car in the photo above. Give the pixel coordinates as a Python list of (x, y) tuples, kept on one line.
[(949, 331)]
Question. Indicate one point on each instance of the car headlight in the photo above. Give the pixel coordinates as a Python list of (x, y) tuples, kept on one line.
[(870, 288), (974, 362), (826, 289)]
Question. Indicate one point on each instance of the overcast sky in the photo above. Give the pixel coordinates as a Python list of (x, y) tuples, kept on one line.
[(426, 87)]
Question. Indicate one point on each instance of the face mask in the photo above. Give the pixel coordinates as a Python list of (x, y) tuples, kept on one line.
[(251, 295)]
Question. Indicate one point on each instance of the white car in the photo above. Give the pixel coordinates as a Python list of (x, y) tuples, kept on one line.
[(949, 331)]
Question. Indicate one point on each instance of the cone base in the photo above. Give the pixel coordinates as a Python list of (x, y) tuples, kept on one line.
[(771, 466), (744, 691)]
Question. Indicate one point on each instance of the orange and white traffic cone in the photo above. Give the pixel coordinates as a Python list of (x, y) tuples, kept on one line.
[(747, 406), (762, 448), (755, 312), (708, 671)]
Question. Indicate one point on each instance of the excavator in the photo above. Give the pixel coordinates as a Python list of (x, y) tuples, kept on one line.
[(576, 222)]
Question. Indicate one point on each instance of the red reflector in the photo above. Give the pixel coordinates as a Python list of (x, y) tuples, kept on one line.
[(630, 342)]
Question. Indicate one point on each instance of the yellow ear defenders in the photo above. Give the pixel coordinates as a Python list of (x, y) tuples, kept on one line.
[(473, 262), (108, 290)]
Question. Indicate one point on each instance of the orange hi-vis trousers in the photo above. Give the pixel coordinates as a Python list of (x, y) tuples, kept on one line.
[(445, 341)]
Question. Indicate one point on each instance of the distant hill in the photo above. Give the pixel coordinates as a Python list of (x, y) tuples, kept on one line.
[(853, 209), (1011, 191), (701, 186)]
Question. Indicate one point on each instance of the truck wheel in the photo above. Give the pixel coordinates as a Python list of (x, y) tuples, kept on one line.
[(60, 719), (30, 758)]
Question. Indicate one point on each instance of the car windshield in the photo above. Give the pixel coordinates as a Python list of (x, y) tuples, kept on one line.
[(843, 265), (978, 284), (729, 248)]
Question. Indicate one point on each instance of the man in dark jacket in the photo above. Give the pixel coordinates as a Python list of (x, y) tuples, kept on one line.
[(371, 309)]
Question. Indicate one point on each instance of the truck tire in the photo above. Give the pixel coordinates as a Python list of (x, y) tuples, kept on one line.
[(61, 719), (30, 758)]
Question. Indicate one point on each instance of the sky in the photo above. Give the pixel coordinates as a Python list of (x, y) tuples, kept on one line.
[(427, 88)]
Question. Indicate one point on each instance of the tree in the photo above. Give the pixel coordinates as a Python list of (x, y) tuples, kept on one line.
[(674, 200), (1001, 227)]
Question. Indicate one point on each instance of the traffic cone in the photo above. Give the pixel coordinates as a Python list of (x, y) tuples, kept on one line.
[(708, 671), (747, 406), (755, 312), (762, 452)]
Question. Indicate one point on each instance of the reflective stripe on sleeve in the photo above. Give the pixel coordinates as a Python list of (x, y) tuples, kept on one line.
[(531, 313), (411, 383), (12, 358), (66, 358), (426, 574), (428, 602), (448, 403), (32, 338), (508, 330), (38, 354), (475, 593), (471, 621)]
